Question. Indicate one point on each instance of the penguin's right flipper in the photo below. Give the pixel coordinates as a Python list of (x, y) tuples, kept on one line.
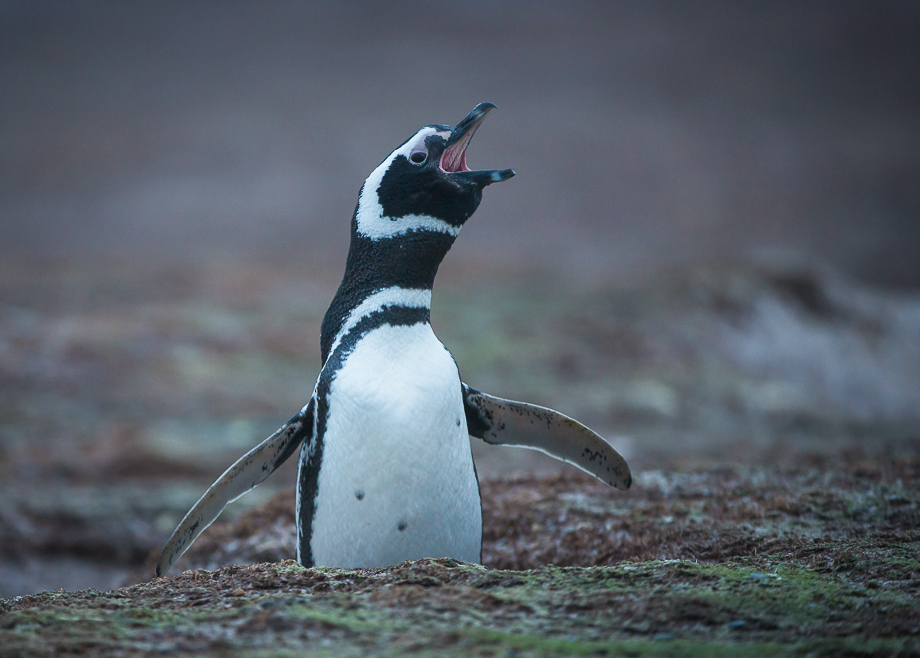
[(505, 422), (250, 470)]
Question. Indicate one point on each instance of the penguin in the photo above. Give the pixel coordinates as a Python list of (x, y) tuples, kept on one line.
[(385, 470)]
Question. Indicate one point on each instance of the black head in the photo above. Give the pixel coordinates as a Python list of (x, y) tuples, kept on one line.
[(409, 213), (425, 184)]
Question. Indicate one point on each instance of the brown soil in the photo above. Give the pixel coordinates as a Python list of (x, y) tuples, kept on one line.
[(815, 560), (778, 407), (812, 515)]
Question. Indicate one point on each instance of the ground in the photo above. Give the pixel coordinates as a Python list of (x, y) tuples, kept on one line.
[(769, 415), (815, 560)]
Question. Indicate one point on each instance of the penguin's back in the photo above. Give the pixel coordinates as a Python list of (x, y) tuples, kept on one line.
[(396, 480)]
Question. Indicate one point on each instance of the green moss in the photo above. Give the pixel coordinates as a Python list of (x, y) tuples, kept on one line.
[(443, 607), (520, 645)]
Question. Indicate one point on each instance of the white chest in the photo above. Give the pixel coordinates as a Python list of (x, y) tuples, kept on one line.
[(397, 479)]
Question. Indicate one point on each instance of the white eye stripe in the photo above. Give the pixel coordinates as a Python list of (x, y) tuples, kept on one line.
[(370, 218), (415, 143)]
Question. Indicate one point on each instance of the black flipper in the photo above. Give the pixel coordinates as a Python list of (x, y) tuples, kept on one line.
[(508, 423), (250, 470)]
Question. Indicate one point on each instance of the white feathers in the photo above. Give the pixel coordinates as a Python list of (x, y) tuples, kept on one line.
[(397, 479)]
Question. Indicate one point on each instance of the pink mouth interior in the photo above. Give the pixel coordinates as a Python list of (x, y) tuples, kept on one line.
[(454, 157)]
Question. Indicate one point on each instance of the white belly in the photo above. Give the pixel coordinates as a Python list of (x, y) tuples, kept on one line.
[(396, 480)]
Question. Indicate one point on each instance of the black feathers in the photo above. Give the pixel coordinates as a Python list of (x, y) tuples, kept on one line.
[(408, 189)]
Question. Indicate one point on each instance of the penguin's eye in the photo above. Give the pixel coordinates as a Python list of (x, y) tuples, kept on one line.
[(418, 157)]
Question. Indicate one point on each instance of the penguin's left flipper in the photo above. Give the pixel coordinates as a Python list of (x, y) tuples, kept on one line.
[(250, 470), (505, 422)]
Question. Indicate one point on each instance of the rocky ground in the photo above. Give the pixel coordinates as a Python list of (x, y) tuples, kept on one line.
[(815, 560), (769, 414)]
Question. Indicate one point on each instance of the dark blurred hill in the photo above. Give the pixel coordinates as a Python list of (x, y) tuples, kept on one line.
[(644, 134)]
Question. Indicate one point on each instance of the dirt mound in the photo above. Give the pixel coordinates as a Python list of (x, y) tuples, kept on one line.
[(817, 560), (571, 519)]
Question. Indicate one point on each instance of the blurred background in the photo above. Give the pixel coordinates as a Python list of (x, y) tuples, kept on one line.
[(710, 253)]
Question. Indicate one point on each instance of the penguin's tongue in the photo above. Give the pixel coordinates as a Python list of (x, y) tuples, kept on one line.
[(454, 157), (453, 160)]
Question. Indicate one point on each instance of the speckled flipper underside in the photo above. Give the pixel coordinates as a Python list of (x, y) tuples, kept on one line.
[(508, 423), (249, 471)]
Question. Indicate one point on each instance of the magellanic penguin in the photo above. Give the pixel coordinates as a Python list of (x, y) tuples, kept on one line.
[(386, 473)]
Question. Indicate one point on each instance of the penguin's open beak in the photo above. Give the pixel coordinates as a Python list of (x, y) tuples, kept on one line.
[(453, 159)]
